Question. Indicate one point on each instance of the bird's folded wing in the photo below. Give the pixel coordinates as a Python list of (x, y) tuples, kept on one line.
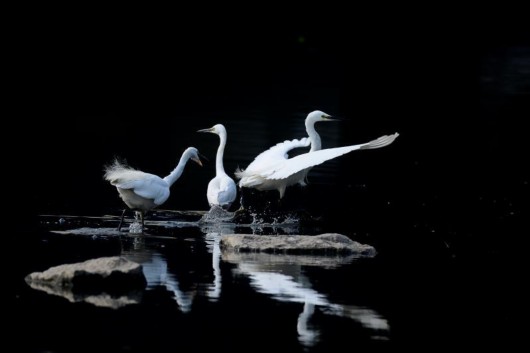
[(227, 195), (152, 187), (294, 165)]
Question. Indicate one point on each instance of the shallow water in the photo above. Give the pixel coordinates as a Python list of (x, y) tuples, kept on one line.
[(205, 296), (200, 297)]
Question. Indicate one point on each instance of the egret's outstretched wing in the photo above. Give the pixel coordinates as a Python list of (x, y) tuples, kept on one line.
[(294, 165), (273, 155)]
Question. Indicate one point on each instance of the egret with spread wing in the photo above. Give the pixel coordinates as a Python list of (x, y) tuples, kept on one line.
[(222, 190), (141, 191), (254, 176), (273, 170)]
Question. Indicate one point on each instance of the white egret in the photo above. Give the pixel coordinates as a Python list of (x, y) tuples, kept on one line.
[(273, 170), (141, 191), (222, 190)]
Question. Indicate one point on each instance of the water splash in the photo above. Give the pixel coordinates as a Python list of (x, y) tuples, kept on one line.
[(136, 228), (216, 215)]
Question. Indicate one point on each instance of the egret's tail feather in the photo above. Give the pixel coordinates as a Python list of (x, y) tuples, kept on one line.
[(380, 142), (114, 170)]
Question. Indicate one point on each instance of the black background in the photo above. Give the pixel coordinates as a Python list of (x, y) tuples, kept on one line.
[(448, 197), (87, 90)]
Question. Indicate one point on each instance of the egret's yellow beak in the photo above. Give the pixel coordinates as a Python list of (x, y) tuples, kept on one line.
[(329, 118), (197, 160), (206, 130)]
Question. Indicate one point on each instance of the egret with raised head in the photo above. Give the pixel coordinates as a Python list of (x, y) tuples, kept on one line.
[(274, 170), (222, 190)]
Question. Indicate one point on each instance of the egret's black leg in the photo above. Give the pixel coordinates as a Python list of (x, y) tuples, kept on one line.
[(121, 220)]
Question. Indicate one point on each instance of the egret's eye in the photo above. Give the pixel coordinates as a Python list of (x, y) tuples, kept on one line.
[(323, 117)]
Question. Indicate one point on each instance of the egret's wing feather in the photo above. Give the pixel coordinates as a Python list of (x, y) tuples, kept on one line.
[(154, 188), (380, 142), (161, 195), (280, 150), (294, 165), (221, 190), (272, 156), (227, 194), (150, 187)]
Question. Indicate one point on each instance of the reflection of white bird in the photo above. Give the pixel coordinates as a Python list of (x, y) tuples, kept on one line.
[(222, 189), (273, 170), (306, 335), (154, 266), (143, 191), (272, 279), (213, 240)]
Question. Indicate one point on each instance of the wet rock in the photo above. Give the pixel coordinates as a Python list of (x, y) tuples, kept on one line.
[(329, 243), (280, 261), (101, 299), (110, 274)]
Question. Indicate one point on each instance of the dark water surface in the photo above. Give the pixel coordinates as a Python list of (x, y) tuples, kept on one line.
[(443, 205)]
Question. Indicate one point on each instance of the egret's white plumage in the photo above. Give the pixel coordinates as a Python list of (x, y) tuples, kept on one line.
[(222, 190), (274, 170), (144, 191)]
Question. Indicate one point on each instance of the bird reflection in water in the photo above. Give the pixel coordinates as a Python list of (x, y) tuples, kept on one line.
[(156, 272), (281, 277), (214, 231)]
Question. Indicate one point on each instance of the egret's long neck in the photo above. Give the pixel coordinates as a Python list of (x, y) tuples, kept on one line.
[(314, 137), (177, 172), (219, 168)]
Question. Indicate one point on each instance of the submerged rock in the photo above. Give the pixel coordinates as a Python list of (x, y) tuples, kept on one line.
[(111, 274), (329, 243)]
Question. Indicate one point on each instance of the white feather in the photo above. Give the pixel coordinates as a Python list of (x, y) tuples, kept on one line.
[(269, 158), (279, 151)]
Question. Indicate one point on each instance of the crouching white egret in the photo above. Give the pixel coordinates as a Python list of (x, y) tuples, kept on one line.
[(273, 170), (142, 191), (222, 190)]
